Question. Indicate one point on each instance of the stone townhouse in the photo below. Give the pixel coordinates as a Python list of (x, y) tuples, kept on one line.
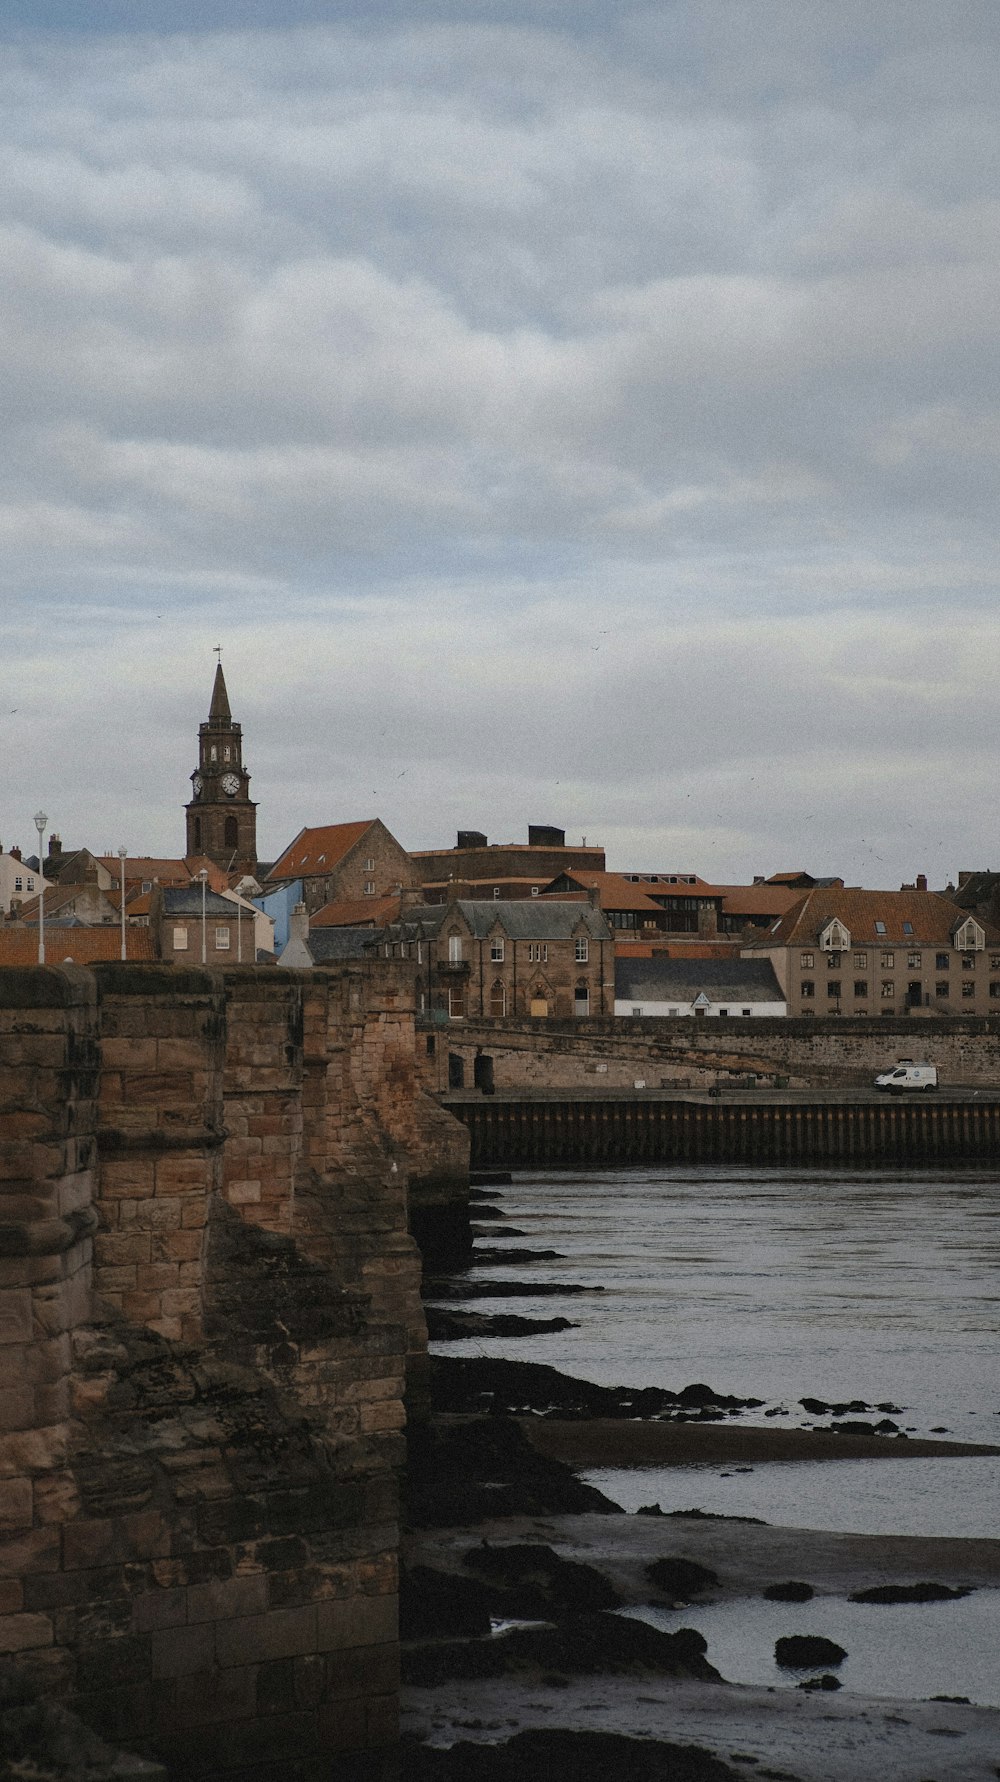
[(341, 862), (489, 959), (840, 951)]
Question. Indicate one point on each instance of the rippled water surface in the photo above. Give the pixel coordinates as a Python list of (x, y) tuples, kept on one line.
[(876, 1284)]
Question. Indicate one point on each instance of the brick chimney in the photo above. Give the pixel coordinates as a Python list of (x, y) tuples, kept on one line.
[(708, 921), (921, 881), (15, 853), (55, 846), (594, 897)]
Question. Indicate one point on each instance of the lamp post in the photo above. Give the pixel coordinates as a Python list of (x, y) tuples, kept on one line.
[(122, 855), (203, 875), (40, 821)]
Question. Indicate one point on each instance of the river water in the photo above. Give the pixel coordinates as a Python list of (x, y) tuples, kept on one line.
[(880, 1285)]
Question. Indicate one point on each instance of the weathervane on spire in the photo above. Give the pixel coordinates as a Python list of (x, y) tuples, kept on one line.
[(218, 652)]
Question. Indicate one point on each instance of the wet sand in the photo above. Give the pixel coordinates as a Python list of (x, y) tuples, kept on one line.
[(845, 1737), (604, 1442)]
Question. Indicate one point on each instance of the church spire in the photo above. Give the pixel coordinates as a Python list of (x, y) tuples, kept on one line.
[(220, 699)]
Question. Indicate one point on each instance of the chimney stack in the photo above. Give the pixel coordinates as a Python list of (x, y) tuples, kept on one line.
[(921, 881), (298, 923)]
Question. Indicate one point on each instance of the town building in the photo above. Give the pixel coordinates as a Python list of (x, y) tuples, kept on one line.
[(221, 817), (476, 868), (196, 927), (309, 946), (18, 881), (844, 951), (491, 958), (352, 862), (698, 987)]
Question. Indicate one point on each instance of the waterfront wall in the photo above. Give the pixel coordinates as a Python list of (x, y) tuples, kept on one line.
[(561, 1132), (209, 1322), (685, 1053)]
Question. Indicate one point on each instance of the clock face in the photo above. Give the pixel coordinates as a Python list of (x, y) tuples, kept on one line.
[(230, 784), (197, 784)]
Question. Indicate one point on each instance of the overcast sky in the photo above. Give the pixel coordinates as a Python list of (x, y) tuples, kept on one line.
[(559, 412)]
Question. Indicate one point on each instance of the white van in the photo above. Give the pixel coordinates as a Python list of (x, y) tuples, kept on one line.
[(907, 1076)]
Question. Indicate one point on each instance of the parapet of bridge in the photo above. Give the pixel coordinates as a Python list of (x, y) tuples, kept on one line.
[(209, 1326)]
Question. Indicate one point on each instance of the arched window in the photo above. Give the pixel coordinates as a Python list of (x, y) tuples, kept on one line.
[(197, 835), (581, 998), (498, 999), (232, 833)]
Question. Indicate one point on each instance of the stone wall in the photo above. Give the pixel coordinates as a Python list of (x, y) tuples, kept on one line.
[(208, 1310), (687, 1053)]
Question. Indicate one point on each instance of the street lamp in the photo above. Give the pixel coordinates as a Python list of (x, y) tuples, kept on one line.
[(203, 875), (40, 821), (122, 855)]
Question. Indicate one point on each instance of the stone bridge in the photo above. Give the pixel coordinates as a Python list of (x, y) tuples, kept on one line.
[(209, 1322), (596, 1055)]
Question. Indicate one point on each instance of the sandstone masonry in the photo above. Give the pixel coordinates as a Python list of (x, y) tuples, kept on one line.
[(209, 1320)]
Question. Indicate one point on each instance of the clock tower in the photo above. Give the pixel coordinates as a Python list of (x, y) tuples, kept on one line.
[(221, 818)]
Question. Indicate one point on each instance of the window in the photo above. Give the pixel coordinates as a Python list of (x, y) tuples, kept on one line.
[(880, 928), (723, 1012), (807, 961), (498, 1000), (370, 863), (861, 989), (639, 1011), (225, 754), (147, 884), (222, 940), (994, 987), (968, 988), (941, 990), (833, 961), (538, 952), (888, 989), (454, 949), (994, 959), (456, 1002), (942, 961), (833, 989), (968, 962), (807, 987), (496, 890), (744, 1011), (887, 961), (582, 951), (180, 940), (907, 927), (17, 883), (231, 837), (496, 950), (913, 961), (534, 890), (213, 751), (860, 961), (31, 883), (369, 887)]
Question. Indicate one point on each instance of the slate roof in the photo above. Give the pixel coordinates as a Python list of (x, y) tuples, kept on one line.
[(185, 900), (682, 980), (316, 851), (330, 944), (521, 918), (932, 919)]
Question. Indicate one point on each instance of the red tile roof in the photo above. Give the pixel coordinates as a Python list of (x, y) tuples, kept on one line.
[(316, 851), (614, 890), (79, 946), (356, 912), (932, 919)]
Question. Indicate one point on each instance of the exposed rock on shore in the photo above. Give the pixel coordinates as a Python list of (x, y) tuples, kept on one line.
[(556, 1756), (445, 1325), (464, 1472), (582, 1645), (800, 1652), (458, 1383)]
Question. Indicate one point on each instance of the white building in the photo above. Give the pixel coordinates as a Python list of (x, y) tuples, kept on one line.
[(18, 882), (697, 987)]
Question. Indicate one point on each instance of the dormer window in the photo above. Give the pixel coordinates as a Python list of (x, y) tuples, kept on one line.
[(834, 938), (969, 938)]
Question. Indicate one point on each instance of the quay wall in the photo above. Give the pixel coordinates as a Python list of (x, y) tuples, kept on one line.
[(685, 1053), (209, 1328), (559, 1131)]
